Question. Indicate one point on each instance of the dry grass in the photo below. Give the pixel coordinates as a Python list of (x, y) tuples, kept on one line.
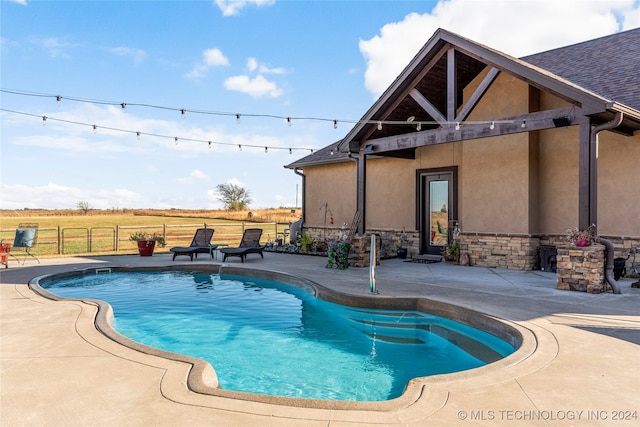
[(100, 231)]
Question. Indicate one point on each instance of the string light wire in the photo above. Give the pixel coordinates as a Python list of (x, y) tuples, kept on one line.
[(45, 119), (236, 115)]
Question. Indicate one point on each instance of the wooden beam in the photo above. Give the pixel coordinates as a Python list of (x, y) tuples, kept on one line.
[(361, 185), (532, 122), (584, 175), (477, 95), (382, 115), (427, 106), (452, 85)]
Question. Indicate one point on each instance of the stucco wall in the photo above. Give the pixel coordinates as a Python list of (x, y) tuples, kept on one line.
[(496, 181), (619, 184), (334, 185)]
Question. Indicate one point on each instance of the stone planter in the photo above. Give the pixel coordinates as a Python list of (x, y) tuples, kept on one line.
[(581, 269)]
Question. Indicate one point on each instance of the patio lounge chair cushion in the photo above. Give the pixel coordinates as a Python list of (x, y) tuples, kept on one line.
[(201, 244), (250, 244), (24, 237)]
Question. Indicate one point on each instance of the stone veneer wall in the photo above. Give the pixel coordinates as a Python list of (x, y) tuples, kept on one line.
[(519, 252), (581, 269)]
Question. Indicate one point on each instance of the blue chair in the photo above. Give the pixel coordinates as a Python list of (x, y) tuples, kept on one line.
[(26, 238)]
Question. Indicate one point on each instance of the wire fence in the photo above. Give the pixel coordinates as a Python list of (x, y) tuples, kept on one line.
[(105, 240)]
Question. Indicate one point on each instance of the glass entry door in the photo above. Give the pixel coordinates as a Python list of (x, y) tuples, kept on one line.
[(438, 210)]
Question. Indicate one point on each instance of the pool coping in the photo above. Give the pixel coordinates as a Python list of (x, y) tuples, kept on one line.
[(201, 377)]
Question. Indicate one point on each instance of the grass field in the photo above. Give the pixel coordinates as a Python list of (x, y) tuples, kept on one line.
[(99, 232)]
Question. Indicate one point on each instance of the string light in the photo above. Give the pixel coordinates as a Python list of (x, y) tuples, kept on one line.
[(419, 126), (492, 126), (289, 119), (457, 125), (138, 134), (266, 149), (524, 124), (95, 129), (209, 145), (58, 100)]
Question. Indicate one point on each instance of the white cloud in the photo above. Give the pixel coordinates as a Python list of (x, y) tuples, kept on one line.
[(194, 174), (256, 87), (55, 47), (138, 55), (64, 197), (254, 65), (22, 2), (232, 7), (517, 28), (210, 58)]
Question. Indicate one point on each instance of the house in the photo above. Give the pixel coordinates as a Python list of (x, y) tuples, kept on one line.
[(503, 154)]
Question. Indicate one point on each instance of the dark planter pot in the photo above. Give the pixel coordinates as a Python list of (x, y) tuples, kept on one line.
[(402, 253), (145, 247)]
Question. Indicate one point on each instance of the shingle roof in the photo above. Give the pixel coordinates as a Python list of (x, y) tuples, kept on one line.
[(608, 66)]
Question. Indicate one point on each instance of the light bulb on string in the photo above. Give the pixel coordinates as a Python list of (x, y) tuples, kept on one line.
[(492, 126), (176, 140), (123, 105), (209, 145), (419, 126), (184, 113), (58, 100), (266, 149), (457, 125), (289, 121), (524, 124), (95, 129), (44, 120), (240, 147), (238, 118), (138, 136), (379, 125), (335, 124), (290, 151)]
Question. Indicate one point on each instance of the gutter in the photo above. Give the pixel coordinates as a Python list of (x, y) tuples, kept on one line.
[(608, 269)]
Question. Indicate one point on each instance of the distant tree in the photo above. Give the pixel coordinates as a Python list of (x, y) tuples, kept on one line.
[(235, 198), (83, 206)]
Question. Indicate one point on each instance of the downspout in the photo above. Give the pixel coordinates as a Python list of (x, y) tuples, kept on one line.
[(304, 192), (608, 269)]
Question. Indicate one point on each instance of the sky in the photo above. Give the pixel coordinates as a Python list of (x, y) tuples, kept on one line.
[(185, 71)]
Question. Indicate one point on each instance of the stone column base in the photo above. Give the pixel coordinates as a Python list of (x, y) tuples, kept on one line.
[(581, 269)]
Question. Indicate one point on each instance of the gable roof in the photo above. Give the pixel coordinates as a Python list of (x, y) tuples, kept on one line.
[(598, 75)]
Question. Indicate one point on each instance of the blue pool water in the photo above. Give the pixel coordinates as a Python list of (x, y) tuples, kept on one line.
[(266, 337)]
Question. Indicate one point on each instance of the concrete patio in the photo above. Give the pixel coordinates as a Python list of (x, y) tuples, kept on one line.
[(583, 369)]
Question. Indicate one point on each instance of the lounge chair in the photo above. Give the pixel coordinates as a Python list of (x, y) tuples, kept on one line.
[(26, 238), (201, 244), (250, 244)]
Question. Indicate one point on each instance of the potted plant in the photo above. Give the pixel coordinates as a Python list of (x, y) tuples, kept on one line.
[(401, 251), (338, 254), (147, 241), (581, 238), (451, 252), (305, 242)]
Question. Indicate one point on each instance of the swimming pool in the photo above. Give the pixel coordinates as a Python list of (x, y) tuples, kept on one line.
[(263, 336)]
